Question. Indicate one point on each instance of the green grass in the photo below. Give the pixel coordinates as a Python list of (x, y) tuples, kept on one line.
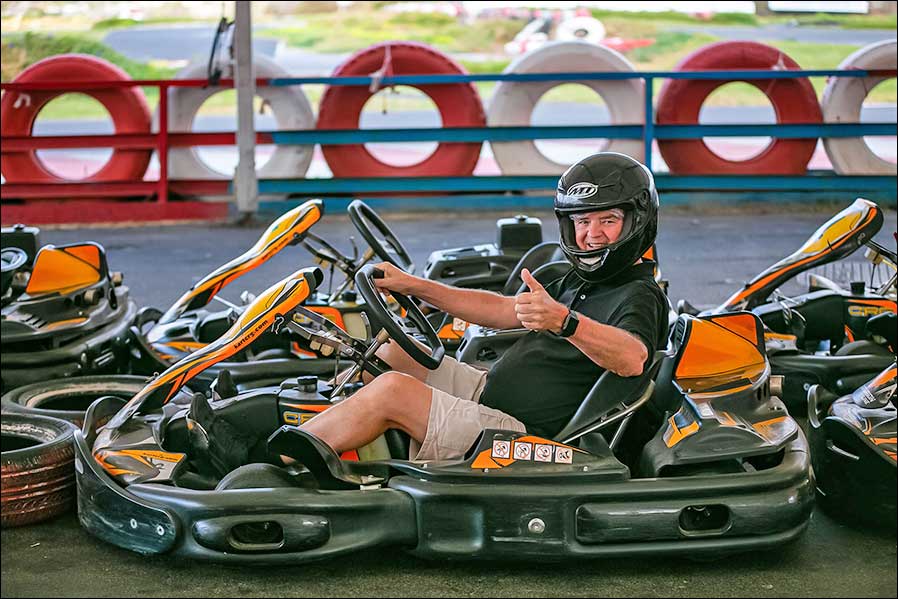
[(19, 51), (670, 16), (115, 23), (847, 21), (351, 31)]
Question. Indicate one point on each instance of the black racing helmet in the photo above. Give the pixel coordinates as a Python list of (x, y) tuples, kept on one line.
[(601, 182)]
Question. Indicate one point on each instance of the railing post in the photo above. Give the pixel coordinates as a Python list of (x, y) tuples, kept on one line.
[(648, 132), (163, 144), (246, 186)]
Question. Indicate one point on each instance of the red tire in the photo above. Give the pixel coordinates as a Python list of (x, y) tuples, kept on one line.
[(794, 101), (127, 106), (458, 103)]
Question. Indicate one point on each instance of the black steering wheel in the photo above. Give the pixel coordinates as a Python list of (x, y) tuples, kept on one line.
[(398, 328), (379, 237), (327, 253)]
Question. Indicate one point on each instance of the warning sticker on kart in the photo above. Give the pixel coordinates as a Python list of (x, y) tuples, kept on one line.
[(564, 455), (523, 451), (459, 325), (501, 449), (543, 453)]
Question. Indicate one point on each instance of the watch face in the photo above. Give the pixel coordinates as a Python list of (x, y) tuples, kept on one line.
[(570, 324)]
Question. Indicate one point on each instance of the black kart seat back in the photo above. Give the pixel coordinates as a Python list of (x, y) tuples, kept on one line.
[(538, 255), (612, 398)]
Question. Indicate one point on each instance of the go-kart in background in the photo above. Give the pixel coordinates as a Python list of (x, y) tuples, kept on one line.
[(705, 256)]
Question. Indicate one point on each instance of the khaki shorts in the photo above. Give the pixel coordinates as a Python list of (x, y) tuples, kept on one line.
[(456, 416)]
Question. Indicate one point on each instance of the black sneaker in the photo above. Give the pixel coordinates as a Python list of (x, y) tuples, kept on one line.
[(217, 440)]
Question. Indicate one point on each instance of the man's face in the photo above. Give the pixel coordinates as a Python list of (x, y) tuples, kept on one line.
[(595, 230)]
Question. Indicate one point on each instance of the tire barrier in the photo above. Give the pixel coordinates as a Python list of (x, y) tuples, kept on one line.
[(37, 470), (68, 399), (842, 100), (794, 101), (513, 102), (289, 104), (127, 107), (458, 103)]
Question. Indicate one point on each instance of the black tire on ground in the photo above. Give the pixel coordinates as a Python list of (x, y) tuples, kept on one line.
[(69, 398), (37, 469)]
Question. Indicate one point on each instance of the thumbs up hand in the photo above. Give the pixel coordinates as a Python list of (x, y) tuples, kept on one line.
[(536, 310)]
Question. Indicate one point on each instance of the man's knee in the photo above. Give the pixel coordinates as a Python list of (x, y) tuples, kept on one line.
[(394, 392), (392, 385)]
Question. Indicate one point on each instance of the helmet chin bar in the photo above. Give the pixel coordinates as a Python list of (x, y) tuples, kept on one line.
[(595, 261)]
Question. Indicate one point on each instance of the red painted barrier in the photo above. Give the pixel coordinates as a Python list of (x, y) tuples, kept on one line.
[(126, 105), (794, 101), (458, 103)]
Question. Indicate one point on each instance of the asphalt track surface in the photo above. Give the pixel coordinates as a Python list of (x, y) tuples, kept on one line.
[(706, 257)]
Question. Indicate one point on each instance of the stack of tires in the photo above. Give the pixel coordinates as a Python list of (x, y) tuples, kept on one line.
[(37, 470)]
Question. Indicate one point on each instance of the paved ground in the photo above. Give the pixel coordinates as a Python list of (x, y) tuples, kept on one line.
[(706, 257)]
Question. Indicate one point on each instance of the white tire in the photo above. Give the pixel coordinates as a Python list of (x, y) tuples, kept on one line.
[(513, 102), (291, 110), (841, 103)]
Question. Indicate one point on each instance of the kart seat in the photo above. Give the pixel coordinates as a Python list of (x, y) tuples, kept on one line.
[(613, 399), (538, 255)]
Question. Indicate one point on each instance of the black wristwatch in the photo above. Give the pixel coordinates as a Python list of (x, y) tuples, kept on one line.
[(569, 326)]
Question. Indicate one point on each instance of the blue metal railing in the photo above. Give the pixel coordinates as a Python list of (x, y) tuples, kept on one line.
[(648, 132)]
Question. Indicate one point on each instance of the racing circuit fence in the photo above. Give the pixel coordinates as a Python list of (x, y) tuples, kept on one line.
[(696, 174)]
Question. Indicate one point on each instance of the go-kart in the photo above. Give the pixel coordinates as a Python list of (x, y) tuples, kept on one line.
[(727, 471), (853, 450), (63, 312), (824, 336)]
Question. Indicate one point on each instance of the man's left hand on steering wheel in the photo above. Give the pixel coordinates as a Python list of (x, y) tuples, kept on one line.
[(368, 282), (395, 279)]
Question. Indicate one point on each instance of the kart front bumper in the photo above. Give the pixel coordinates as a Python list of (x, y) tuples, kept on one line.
[(487, 518)]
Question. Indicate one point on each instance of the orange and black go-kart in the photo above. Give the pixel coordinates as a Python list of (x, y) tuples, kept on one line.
[(853, 450), (838, 338), (64, 313), (190, 323), (728, 471)]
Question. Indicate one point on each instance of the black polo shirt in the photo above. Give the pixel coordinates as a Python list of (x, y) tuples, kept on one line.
[(542, 379)]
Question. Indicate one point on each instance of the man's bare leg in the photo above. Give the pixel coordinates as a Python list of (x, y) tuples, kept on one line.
[(392, 400)]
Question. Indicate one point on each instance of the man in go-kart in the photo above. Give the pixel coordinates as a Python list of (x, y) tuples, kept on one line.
[(606, 313)]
